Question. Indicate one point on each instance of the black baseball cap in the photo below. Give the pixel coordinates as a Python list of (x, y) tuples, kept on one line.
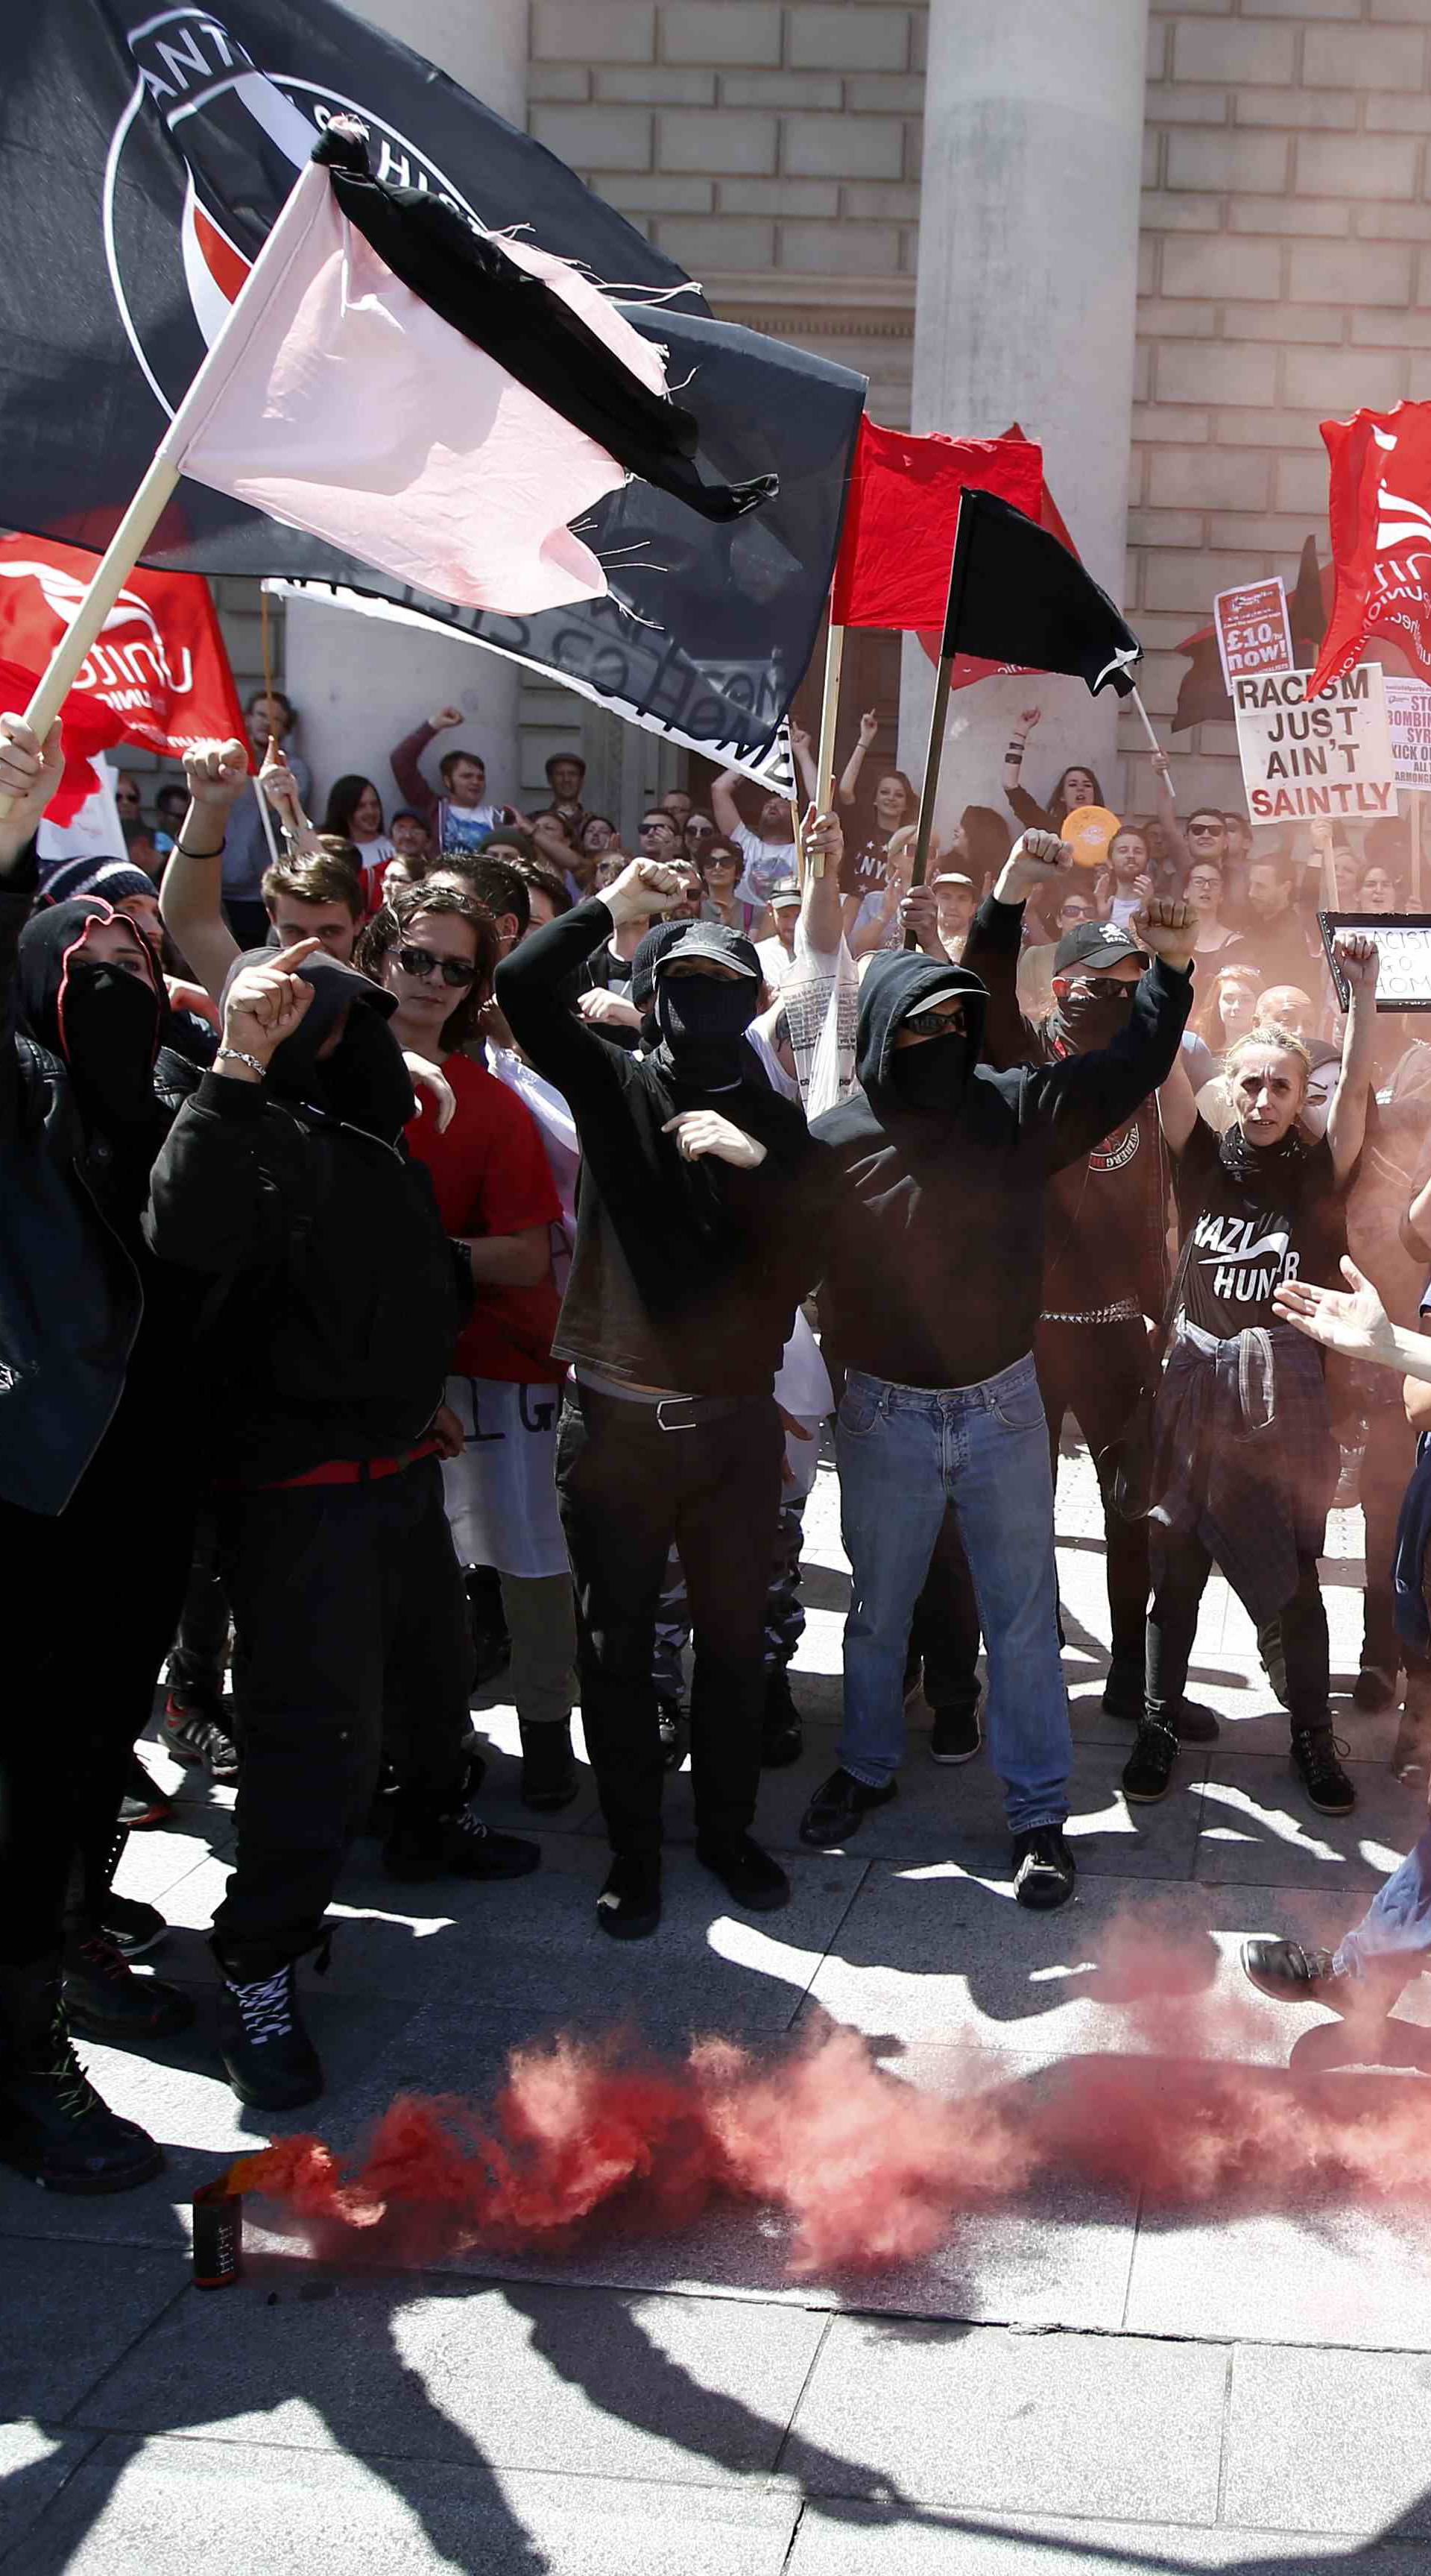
[(1100, 942), (711, 939)]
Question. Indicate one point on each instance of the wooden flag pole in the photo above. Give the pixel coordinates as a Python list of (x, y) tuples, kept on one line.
[(1153, 742), (825, 784), (155, 492), (939, 712), (1416, 851)]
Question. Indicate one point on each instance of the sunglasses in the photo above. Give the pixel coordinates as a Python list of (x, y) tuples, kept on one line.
[(420, 962), (935, 1024), (1206, 831), (700, 831)]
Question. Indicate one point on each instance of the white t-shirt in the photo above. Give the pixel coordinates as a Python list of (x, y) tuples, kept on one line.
[(766, 862), (776, 961)]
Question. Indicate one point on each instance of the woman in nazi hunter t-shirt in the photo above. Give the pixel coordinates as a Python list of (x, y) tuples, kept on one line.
[(1243, 1459)]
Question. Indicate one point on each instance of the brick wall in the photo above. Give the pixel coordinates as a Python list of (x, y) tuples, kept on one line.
[(773, 150), (1285, 277)]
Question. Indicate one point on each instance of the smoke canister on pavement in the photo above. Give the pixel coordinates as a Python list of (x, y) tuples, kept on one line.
[(218, 2236)]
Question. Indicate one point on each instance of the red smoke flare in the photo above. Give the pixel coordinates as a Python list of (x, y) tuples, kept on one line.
[(869, 2171)]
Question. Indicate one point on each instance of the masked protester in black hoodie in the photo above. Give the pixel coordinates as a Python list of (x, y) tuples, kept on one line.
[(697, 1222), (929, 1301), (1105, 1266), (96, 1483), (334, 1305)]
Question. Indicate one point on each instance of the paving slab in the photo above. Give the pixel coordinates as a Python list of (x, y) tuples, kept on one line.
[(513, 2376), (1258, 1827), (1329, 2441), (877, 2540), (68, 2311), (1320, 2273), (1085, 2424), (170, 2506), (34, 2464)]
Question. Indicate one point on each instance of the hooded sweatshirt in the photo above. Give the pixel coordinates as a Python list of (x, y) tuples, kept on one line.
[(935, 1263), (336, 1295), (685, 1276)]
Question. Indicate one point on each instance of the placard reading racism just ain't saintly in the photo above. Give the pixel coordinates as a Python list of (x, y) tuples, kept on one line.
[(1332, 756)]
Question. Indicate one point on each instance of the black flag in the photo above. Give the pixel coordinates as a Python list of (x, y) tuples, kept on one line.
[(1017, 596), (144, 154)]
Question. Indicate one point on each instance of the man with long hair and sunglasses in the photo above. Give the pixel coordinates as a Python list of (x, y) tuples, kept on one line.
[(930, 1300)]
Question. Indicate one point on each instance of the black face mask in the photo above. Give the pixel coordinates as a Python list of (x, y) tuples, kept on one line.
[(702, 1020), (366, 1081), (932, 1075), (110, 1025), (1094, 1012)]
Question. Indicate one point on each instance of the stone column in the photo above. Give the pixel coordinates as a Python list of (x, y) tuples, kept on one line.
[(1026, 310), (359, 682)]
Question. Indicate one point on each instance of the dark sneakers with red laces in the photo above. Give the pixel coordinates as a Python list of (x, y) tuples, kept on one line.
[(104, 1999), (54, 2128)]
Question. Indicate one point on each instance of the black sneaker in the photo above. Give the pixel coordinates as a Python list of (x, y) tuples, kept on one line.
[(193, 1735), (629, 1906), (455, 1846), (1148, 1771), (1194, 1724), (105, 2000), (54, 2128), (144, 1803), (956, 1734), (1374, 1689), (1123, 1690), (549, 1773), (749, 1876), (1044, 1872), (782, 1737), (1314, 1759), (839, 1808), (670, 1720), (132, 1927), (269, 2058)]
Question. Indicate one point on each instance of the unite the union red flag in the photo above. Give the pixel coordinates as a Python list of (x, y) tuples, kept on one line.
[(1380, 511), (159, 663)]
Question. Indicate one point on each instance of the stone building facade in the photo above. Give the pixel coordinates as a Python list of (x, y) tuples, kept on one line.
[(1174, 350)]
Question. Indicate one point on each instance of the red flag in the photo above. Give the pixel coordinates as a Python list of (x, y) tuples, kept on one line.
[(898, 543), (89, 727), (1380, 509), (159, 664)]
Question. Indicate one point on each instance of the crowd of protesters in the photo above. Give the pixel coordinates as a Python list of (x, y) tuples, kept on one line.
[(438, 1234)]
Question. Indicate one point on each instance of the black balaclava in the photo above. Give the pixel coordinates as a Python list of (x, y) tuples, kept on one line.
[(104, 1024), (1092, 1013), (702, 1021), (364, 1082), (932, 1075)]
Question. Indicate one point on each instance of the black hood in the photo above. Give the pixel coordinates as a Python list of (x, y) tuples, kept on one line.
[(50, 944), (898, 982), (364, 1081)]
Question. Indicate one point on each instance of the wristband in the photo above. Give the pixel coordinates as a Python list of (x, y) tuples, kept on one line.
[(236, 1055), (200, 854), (1014, 754)]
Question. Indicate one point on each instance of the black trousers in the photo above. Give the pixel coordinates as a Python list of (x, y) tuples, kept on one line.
[(1387, 1461), (1181, 1566), (944, 1632), (196, 1666), (629, 1490), (1097, 1372), (92, 1596), (350, 1629)]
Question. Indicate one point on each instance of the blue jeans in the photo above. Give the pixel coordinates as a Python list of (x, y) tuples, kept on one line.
[(903, 1452), (1397, 1926)]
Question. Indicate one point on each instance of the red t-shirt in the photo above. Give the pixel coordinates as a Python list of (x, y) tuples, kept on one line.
[(491, 1176)]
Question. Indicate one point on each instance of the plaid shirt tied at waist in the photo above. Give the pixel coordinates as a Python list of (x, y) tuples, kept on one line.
[(1243, 1455)]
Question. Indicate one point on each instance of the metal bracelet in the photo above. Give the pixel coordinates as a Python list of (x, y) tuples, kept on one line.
[(235, 1055)]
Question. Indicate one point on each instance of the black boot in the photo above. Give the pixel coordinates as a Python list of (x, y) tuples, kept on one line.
[(549, 1778), (270, 2060), (782, 1737), (455, 1846), (104, 1999), (53, 2126)]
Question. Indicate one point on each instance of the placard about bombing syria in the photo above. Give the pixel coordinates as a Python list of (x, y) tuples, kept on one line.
[(1331, 756)]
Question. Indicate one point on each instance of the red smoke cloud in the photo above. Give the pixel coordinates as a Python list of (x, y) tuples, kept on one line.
[(869, 2171)]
